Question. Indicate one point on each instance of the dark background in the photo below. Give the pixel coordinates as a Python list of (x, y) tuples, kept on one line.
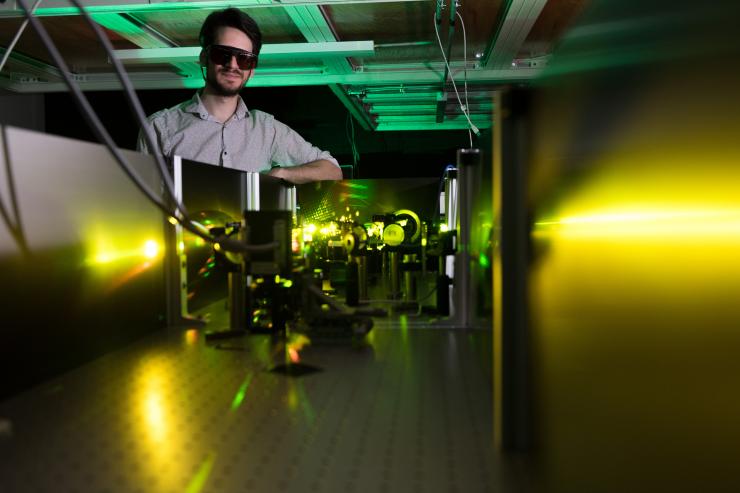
[(313, 111)]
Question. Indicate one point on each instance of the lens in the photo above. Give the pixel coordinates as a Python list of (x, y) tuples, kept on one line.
[(221, 55)]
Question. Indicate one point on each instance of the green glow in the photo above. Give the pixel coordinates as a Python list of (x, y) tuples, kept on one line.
[(484, 261), (239, 397), (160, 6), (201, 476), (118, 24), (291, 52), (109, 6), (373, 97), (404, 320), (402, 123), (413, 110)]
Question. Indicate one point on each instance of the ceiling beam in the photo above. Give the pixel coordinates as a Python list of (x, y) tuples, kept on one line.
[(269, 52), (22, 68), (143, 36), (313, 24), (52, 8), (356, 109), (448, 124), (519, 17), (283, 78)]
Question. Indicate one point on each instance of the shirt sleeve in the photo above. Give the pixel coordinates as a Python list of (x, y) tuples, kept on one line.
[(290, 149), (142, 145)]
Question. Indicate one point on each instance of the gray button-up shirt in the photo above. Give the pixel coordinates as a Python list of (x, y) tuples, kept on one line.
[(249, 141)]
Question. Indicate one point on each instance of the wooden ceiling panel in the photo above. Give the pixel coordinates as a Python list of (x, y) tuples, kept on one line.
[(73, 37), (556, 17), (183, 27), (404, 32)]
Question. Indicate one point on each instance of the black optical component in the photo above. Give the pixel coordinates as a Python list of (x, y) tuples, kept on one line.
[(221, 55)]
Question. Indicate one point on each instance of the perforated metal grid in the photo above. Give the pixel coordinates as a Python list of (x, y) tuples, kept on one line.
[(408, 412)]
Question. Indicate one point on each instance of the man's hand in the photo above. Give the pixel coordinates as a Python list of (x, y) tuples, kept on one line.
[(314, 171)]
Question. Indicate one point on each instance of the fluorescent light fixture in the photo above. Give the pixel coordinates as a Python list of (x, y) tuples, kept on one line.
[(283, 51)]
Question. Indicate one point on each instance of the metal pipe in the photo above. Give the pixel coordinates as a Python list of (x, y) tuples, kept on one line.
[(451, 200), (409, 281), (253, 191), (394, 275), (287, 201), (362, 276)]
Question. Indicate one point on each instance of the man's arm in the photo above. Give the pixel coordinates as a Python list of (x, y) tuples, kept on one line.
[(142, 145), (319, 170)]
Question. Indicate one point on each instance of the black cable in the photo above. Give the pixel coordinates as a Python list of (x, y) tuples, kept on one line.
[(355, 154), (134, 104), (14, 227), (101, 133), (18, 34)]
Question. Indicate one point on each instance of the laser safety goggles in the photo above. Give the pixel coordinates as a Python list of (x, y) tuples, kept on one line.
[(221, 55)]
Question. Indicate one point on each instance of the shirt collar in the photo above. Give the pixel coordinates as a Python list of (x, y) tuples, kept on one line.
[(197, 107)]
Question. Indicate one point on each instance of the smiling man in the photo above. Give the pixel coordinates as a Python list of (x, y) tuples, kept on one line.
[(216, 127)]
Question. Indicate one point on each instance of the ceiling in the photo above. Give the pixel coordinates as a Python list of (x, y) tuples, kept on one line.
[(381, 58)]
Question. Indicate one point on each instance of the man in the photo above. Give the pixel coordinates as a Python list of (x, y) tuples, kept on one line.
[(216, 127)]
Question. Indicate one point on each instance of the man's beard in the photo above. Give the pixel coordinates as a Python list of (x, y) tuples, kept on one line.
[(218, 88)]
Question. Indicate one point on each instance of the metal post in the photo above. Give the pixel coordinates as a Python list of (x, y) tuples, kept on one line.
[(253, 191), (362, 276), (237, 305), (451, 206), (409, 281), (468, 165), (394, 275)]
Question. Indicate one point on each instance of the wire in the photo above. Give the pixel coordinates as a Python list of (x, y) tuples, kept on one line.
[(134, 105), (14, 227), (101, 133), (353, 145), (17, 36), (457, 93), (465, 62)]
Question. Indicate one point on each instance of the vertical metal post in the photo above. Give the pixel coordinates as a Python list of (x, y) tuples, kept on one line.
[(447, 267), (237, 301), (512, 411), (362, 276), (176, 268), (468, 166), (409, 281), (451, 209), (394, 275), (253, 191)]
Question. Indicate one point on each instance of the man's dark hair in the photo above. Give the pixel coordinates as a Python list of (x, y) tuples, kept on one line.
[(230, 18)]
